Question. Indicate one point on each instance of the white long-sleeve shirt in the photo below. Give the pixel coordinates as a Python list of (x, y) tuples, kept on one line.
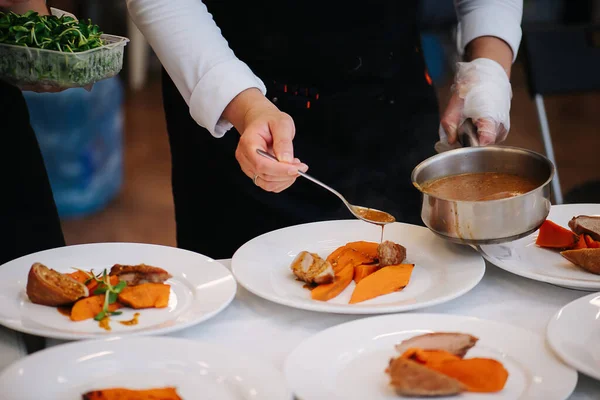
[(208, 75)]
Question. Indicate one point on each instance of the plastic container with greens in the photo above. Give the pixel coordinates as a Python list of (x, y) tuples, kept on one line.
[(56, 52)]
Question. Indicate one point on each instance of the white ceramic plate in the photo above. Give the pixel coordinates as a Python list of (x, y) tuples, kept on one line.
[(442, 272), (522, 257), (348, 361), (574, 333), (200, 288), (195, 369)]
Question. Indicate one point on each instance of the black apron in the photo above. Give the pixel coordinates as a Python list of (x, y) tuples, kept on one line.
[(28, 214), (354, 80)]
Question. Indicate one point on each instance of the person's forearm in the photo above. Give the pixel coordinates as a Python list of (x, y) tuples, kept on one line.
[(238, 109), (489, 29), (36, 5), (196, 56), (492, 48)]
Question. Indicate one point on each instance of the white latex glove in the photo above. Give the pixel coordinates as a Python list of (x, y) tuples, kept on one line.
[(481, 92)]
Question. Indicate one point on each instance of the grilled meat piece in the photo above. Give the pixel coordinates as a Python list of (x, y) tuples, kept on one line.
[(390, 253), (48, 287), (589, 225), (311, 268), (412, 379), (453, 342), (138, 274), (588, 259)]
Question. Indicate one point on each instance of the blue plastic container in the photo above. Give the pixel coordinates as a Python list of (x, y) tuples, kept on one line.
[(80, 134)]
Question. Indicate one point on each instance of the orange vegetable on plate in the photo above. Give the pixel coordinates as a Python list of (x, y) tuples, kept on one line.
[(146, 295), (429, 356), (482, 375), (590, 243), (342, 279), (384, 281), (89, 307), (168, 393), (351, 256), (369, 249), (552, 235), (79, 276), (581, 243), (364, 270)]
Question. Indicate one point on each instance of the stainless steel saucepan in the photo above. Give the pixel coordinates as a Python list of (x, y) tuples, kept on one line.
[(486, 222)]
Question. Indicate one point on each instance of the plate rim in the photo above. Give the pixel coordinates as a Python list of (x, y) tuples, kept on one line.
[(62, 335), (324, 307), (5, 373), (575, 284), (432, 316), (572, 362)]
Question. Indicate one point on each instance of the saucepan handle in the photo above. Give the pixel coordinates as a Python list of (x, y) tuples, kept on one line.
[(467, 137), (467, 134)]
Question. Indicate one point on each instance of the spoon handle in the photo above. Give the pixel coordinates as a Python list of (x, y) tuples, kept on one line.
[(310, 178)]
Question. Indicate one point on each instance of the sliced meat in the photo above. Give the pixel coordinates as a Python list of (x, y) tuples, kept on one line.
[(139, 274), (48, 287), (588, 259), (311, 268), (452, 342), (586, 224), (412, 379), (390, 253)]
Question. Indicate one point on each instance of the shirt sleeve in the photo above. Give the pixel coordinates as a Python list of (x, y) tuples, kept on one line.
[(499, 18), (196, 56)]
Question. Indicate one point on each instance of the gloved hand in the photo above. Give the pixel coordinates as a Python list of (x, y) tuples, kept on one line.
[(481, 92)]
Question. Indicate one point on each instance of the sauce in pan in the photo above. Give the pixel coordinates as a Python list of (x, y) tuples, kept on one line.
[(478, 186)]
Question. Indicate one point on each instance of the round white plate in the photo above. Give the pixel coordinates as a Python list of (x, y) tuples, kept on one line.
[(348, 361), (200, 288), (522, 257), (574, 333), (442, 272), (195, 369)]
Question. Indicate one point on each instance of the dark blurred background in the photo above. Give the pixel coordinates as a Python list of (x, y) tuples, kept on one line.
[(109, 162)]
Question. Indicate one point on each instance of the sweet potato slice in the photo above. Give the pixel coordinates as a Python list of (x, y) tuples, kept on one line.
[(369, 249), (386, 280), (429, 357), (581, 243), (146, 295), (333, 257), (589, 242), (341, 281), (168, 393), (352, 257), (588, 259), (89, 307), (552, 235), (79, 276), (483, 375), (364, 270)]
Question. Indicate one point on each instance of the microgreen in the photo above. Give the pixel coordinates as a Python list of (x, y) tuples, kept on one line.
[(110, 292), (50, 32)]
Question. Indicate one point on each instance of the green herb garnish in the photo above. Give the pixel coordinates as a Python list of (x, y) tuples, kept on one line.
[(50, 32), (111, 294)]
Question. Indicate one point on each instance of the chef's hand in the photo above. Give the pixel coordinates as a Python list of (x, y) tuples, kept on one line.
[(263, 126), (481, 92)]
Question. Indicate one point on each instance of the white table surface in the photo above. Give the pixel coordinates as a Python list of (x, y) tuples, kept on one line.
[(270, 331)]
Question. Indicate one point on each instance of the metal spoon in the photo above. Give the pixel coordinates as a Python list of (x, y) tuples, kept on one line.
[(366, 214)]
